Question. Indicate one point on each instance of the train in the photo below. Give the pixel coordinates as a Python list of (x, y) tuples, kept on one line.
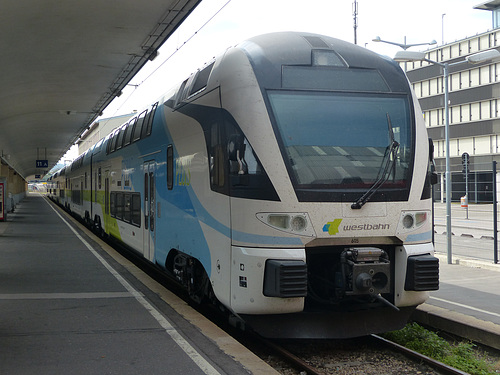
[(288, 180)]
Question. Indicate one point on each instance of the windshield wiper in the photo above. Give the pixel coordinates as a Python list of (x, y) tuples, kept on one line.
[(387, 165)]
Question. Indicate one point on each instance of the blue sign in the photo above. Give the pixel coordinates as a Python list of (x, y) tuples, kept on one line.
[(42, 163)]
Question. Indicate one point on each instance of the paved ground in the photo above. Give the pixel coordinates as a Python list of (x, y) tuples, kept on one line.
[(472, 236), (468, 300), (67, 306)]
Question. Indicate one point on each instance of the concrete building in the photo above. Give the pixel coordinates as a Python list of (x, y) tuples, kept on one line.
[(99, 130), (474, 109)]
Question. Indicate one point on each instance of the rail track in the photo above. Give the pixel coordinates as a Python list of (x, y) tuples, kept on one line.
[(314, 356), (368, 355)]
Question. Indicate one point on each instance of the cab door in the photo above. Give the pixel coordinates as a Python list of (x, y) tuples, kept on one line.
[(149, 193)]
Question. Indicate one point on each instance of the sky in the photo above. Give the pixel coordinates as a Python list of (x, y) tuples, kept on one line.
[(217, 24)]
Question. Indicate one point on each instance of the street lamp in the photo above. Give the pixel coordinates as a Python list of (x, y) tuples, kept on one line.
[(409, 56), (403, 45)]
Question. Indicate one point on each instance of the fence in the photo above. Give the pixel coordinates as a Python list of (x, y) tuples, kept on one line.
[(480, 184), (479, 220)]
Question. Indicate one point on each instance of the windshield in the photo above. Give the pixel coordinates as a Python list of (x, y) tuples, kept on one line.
[(339, 140)]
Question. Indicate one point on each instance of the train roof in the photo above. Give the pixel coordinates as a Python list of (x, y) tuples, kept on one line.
[(270, 52)]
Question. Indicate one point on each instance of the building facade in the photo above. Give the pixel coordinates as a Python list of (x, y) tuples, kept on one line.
[(99, 130), (474, 112)]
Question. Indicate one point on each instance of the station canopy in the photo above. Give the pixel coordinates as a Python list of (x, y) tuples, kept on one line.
[(63, 62)]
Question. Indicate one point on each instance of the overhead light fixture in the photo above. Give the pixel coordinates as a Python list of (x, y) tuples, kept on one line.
[(480, 57), (153, 55), (403, 45), (409, 56), (67, 112)]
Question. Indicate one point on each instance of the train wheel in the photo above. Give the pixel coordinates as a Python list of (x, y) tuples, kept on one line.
[(201, 290), (191, 274)]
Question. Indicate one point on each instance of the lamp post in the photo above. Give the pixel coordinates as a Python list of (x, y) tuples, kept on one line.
[(409, 56), (402, 45)]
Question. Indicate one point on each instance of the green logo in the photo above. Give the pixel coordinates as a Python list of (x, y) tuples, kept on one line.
[(332, 227)]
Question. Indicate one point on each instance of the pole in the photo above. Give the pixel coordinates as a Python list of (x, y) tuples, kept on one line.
[(355, 17), (442, 28), (495, 224), (448, 173), (467, 189), (432, 202)]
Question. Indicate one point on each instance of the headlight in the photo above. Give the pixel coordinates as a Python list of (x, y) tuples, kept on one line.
[(278, 221), (296, 223), (408, 221), (420, 218), (413, 220)]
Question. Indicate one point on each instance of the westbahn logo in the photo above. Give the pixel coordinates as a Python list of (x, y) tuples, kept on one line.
[(332, 227)]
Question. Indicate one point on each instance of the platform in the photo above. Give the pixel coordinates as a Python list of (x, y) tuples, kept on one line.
[(69, 307), (468, 300), (70, 304)]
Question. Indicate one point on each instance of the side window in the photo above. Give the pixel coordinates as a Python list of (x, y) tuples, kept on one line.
[(234, 167), (113, 140), (127, 207), (180, 94), (119, 138), (201, 79), (119, 206), (217, 157), (170, 167), (148, 122), (129, 131), (138, 126), (136, 209), (112, 203)]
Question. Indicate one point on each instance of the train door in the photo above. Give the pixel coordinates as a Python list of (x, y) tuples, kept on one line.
[(149, 209), (106, 192)]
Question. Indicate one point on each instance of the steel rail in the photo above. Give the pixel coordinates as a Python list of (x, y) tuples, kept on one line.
[(444, 368)]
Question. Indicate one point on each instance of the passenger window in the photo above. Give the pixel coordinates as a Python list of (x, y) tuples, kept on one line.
[(114, 138), (129, 131), (119, 206), (201, 79), (180, 94), (126, 207), (170, 167), (138, 126), (217, 160), (112, 204), (119, 138), (148, 122), (136, 209)]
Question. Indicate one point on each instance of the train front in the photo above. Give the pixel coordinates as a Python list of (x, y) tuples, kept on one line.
[(344, 249)]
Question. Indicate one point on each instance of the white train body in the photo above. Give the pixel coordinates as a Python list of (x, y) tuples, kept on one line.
[(288, 178)]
